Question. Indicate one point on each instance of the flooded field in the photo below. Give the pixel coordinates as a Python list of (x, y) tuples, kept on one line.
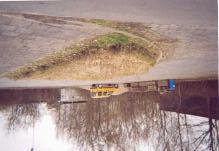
[(185, 118)]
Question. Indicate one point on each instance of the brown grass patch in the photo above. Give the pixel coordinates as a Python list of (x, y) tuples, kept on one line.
[(100, 66)]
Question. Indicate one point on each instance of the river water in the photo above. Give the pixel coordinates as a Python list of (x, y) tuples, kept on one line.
[(183, 119)]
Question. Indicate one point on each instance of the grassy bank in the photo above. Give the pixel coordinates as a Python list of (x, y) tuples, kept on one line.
[(103, 51), (132, 48)]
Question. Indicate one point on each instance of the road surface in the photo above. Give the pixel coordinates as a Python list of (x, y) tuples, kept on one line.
[(180, 12)]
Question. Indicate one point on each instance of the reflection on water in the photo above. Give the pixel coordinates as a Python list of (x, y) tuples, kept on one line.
[(22, 116), (131, 121)]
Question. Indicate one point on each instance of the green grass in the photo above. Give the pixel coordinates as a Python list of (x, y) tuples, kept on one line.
[(114, 42), (138, 29), (101, 22), (113, 39)]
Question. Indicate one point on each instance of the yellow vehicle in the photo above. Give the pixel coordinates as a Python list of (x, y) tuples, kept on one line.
[(104, 90)]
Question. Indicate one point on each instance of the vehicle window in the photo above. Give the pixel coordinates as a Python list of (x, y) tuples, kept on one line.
[(104, 93), (99, 93)]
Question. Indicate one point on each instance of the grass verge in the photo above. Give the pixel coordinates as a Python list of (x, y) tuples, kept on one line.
[(110, 47)]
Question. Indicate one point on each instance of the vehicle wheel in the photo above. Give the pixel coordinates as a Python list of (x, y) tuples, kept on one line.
[(94, 86)]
